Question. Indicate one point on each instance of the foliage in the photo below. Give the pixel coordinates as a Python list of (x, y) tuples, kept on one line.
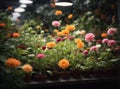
[(10, 77)]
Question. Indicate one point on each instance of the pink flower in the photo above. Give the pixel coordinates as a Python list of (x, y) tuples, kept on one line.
[(89, 37), (85, 52), (70, 37), (111, 31), (105, 40), (63, 39), (111, 43), (117, 51), (56, 23), (40, 56), (93, 48)]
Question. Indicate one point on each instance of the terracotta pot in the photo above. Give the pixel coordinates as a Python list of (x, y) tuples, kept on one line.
[(55, 76), (87, 73), (65, 75), (40, 77), (98, 73), (76, 74), (27, 78)]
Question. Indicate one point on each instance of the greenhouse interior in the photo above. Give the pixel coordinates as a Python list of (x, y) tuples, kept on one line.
[(60, 44)]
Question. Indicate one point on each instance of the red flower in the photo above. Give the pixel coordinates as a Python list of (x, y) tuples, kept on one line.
[(99, 41), (58, 39), (22, 46), (43, 47)]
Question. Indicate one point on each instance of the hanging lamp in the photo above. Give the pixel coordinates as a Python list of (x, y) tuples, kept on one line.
[(63, 3), (23, 5), (26, 1), (19, 9)]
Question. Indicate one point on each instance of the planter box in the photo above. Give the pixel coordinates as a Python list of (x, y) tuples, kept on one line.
[(78, 75), (72, 83)]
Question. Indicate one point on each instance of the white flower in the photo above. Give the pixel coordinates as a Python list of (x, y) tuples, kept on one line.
[(77, 32), (42, 32), (98, 46), (82, 32), (30, 28)]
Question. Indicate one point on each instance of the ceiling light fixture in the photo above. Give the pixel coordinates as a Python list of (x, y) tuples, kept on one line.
[(63, 3), (19, 9), (16, 14), (23, 5), (26, 1)]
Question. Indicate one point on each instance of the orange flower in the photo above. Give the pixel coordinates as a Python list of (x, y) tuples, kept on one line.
[(80, 45), (12, 62), (70, 27), (15, 34), (10, 8), (65, 32), (9, 35), (58, 12), (104, 35), (52, 5), (70, 16), (27, 68), (77, 40), (2, 24), (60, 34), (51, 44), (63, 63)]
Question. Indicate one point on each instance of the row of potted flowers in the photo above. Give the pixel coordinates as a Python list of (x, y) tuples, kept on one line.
[(68, 49)]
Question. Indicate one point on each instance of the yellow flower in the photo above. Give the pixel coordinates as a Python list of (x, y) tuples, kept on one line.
[(12, 62), (27, 68), (70, 16), (51, 44), (38, 27), (56, 31), (63, 63), (70, 27), (46, 30), (77, 40), (58, 12), (80, 45)]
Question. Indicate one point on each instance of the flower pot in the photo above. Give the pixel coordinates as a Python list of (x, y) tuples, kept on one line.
[(40, 77), (98, 73), (65, 75), (76, 74), (27, 78), (87, 73), (55, 76)]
